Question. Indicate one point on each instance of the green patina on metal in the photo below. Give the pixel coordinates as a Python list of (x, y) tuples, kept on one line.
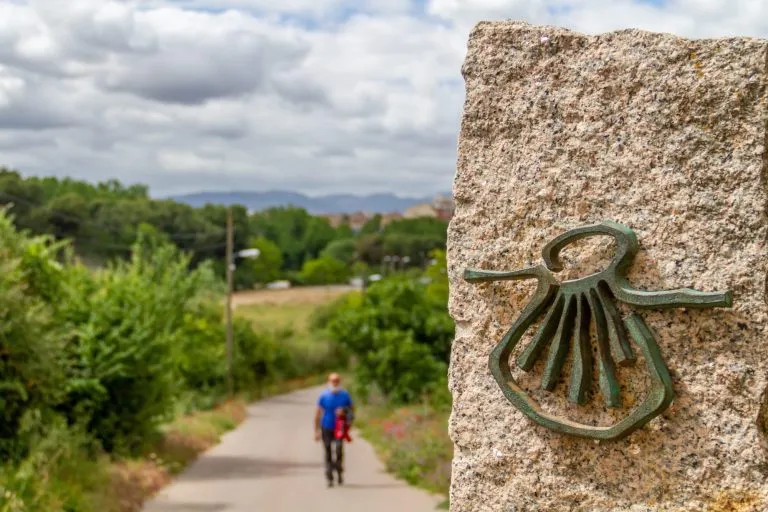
[(569, 308)]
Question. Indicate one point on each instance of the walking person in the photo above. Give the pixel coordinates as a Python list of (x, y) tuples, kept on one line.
[(330, 401)]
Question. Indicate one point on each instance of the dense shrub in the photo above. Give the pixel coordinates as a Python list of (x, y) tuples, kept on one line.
[(401, 368), (114, 352), (62, 471), (259, 358), (399, 334), (124, 377), (200, 351), (32, 372), (324, 270)]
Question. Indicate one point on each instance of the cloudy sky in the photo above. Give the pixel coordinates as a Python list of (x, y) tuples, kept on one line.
[(316, 96)]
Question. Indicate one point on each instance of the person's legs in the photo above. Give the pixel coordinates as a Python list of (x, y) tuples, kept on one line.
[(340, 459), (328, 439)]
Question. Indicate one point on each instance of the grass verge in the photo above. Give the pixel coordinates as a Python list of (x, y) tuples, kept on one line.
[(65, 472), (413, 442), (180, 443)]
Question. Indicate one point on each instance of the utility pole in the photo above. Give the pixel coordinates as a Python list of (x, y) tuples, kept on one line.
[(230, 243)]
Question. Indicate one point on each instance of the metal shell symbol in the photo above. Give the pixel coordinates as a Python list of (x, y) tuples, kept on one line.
[(568, 308)]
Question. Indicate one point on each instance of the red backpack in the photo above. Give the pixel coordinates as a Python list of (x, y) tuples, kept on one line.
[(341, 431)]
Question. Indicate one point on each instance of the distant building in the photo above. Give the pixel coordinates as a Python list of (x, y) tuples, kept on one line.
[(335, 219), (420, 210), (357, 220), (443, 207), (389, 218), (354, 220)]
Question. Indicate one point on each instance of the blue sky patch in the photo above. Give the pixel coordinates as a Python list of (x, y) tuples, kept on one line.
[(559, 10)]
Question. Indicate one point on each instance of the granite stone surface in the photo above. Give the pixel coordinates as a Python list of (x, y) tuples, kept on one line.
[(667, 136)]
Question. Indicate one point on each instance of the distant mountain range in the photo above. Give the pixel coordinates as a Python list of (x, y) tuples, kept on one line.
[(336, 203)]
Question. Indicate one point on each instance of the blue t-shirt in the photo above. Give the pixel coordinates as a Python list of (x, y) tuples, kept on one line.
[(330, 401)]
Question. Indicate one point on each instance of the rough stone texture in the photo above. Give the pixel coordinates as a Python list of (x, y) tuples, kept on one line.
[(667, 136)]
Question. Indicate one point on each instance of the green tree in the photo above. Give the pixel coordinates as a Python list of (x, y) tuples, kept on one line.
[(318, 235), (414, 238), (344, 231), (370, 249), (372, 225), (343, 250), (68, 215), (286, 227), (267, 267), (112, 228), (360, 269), (25, 200), (415, 247)]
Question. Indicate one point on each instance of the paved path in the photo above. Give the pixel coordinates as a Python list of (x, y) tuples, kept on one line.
[(272, 464)]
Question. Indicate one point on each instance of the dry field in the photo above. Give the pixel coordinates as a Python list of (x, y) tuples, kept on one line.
[(302, 295)]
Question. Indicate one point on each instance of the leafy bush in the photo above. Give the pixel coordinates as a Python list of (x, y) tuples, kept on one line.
[(342, 250), (402, 369), (200, 354), (399, 335), (96, 360), (113, 351), (62, 471), (324, 270), (124, 376), (31, 371), (259, 358)]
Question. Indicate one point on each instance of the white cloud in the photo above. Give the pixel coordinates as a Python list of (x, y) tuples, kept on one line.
[(688, 18), (310, 95), (11, 87)]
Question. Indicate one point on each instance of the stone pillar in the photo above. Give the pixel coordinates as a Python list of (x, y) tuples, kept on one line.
[(668, 137)]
